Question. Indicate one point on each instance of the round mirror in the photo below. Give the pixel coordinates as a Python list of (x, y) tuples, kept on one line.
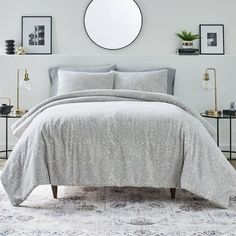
[(113, 24)]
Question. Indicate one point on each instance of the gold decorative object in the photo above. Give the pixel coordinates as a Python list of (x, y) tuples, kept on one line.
[(20, 51), (206, 78), (25, 83)]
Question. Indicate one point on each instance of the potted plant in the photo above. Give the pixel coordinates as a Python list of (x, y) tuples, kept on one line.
[(187, 38)]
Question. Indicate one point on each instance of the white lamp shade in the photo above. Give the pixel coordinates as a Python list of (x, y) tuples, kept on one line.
[(26, 84)]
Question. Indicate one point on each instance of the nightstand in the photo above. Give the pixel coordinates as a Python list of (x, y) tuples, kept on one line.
[(218, 118), (7, 117)]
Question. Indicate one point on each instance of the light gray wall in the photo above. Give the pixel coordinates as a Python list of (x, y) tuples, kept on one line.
[(155, 47), (162, 18)]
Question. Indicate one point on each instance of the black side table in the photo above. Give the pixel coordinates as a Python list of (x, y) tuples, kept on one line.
[(218, 118), (6, 117)]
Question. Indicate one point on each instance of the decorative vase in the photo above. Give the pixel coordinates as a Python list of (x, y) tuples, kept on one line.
[(187, 44), (20, 51), (10, 46)]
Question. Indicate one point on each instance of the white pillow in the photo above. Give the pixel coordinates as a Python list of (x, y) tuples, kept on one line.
[(69, 81), (151, 81), (53, 73)]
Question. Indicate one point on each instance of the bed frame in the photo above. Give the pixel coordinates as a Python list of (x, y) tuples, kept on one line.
[(55, 190)]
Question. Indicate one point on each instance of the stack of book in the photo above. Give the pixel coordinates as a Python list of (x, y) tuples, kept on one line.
[(187, 51), (229, 112)]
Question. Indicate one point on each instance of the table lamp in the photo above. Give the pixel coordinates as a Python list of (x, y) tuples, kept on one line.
[(206, 78), (26, 84)]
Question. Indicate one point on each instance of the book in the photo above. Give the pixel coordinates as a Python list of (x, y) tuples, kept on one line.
[(229, 112), (187, 51)]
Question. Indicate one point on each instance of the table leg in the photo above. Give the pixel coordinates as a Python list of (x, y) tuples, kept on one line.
[(6, 137), (230, 138), (218, 135)]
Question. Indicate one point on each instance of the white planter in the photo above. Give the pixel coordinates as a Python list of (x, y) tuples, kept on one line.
[(187, 44)]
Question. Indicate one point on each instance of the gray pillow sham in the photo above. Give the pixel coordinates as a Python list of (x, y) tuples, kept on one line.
[(71, 81), (170, 75), (53, 74), (150, 81)]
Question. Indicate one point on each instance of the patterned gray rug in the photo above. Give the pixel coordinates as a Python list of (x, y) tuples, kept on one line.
[(113, 212)]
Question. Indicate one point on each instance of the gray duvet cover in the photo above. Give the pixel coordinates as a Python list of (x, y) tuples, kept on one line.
[(117, 138)]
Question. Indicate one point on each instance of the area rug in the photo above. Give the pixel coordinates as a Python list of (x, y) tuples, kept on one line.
[(113, 212)]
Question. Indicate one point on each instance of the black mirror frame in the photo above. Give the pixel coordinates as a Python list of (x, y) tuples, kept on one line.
[(114, 49)]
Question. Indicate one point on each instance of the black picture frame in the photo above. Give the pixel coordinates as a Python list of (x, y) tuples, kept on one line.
[(214, 45), (44, 46)]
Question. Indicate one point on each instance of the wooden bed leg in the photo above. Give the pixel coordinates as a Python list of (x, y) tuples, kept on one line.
[(172, 192), (54, 191)]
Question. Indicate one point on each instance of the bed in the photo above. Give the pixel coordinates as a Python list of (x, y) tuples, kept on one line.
[(116, 137)]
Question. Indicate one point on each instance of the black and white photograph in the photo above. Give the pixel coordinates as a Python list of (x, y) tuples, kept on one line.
[(37, 34), (212, 39)]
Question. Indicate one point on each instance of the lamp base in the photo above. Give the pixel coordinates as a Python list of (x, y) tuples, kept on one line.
[(213, 112), (20, 112)]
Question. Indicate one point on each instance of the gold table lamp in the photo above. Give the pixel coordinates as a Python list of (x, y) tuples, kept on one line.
[(25, 83), (206, 78)]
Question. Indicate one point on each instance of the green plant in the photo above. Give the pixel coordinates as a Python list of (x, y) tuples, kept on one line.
[(187, 36)]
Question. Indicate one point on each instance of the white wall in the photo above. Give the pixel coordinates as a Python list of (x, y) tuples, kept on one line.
[(162, 19), (155, 46)]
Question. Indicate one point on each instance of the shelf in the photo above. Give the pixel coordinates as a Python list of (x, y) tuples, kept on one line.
[(114, 55)]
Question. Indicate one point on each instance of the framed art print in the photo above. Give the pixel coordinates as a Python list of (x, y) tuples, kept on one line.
[(36, 34), (212, 39)]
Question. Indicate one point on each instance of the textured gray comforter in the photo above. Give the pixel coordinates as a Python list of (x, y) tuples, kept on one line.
[(117, 138)]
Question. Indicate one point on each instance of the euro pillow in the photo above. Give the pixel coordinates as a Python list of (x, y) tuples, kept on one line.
[(69, 81), (170, 75), (151, 81), (53, 74)]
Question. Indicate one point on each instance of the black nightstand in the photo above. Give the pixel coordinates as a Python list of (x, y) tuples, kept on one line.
[(6, 117), (218, 118)]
